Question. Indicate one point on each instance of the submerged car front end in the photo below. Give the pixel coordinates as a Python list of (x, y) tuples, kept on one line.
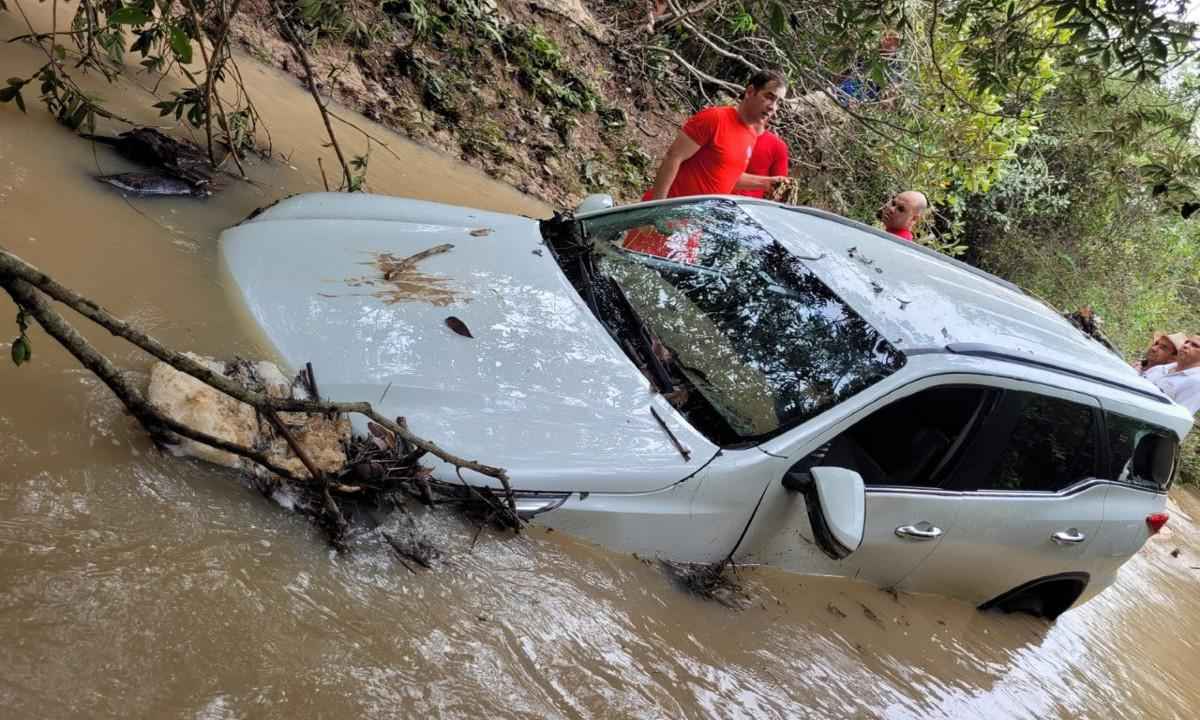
[(370, 290)]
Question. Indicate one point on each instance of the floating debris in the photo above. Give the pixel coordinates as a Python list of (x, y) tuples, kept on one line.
[(714, 581), (152, 185), (178, 159)]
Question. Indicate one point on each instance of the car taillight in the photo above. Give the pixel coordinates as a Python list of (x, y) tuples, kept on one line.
[(1156, 521)]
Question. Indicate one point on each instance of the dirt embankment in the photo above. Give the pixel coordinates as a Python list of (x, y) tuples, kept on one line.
[(537, 94)]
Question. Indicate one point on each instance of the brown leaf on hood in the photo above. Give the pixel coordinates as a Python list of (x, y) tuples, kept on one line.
[(458, 326), (480, 232)]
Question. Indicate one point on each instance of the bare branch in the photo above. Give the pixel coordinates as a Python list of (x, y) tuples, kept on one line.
[(289, 34)]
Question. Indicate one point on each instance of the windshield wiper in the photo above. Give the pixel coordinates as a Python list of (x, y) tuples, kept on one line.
[(587, 279), (661, 378)]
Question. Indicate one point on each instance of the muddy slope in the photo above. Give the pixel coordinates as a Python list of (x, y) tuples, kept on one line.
[(537, 94)]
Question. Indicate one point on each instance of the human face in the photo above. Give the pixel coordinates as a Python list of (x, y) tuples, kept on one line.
[(899, 212), (1161, 352), (889, 44), (759, 104), (1189, 354)]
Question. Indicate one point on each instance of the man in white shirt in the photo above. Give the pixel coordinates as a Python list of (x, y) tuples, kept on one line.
[(1180, 380), (1163, 351)]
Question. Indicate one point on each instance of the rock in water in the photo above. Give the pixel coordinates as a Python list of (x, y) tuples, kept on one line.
[(150, 185), (186, 400)]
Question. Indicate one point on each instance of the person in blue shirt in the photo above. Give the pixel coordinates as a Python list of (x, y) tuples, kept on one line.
[(857, 86)]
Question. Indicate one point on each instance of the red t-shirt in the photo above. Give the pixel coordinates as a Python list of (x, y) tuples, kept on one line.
[(770, 158), (726, 144), (902, 233)]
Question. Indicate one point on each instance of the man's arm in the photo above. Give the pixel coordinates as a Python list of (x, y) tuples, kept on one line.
[(758, 182), (683, 148)]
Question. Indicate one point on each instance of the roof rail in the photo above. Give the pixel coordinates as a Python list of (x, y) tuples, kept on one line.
[(996, 352)]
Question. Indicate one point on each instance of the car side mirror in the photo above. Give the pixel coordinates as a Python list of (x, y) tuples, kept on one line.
[(837, 507), (594, 202)]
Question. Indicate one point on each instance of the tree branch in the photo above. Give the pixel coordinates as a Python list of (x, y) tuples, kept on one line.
[(12, 265), (156, 425), (289, 34)]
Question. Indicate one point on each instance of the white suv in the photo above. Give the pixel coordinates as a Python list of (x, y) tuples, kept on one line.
[(705, 376)]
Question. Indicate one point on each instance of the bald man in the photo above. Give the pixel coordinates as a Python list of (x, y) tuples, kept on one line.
[(902, 212)]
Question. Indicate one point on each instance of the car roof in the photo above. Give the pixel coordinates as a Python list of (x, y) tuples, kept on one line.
[(924, 301)]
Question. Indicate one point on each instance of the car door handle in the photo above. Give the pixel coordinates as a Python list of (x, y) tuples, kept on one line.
[(920, 531), (1070, 536)]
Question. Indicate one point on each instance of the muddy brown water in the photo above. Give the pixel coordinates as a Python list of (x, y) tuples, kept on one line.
[(135, 585)]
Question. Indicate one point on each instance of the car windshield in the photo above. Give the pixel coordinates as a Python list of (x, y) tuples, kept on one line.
[(754, 342)]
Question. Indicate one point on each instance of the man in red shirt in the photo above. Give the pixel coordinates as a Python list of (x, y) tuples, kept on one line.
[(901, 213), (711, 152), (769, 160)]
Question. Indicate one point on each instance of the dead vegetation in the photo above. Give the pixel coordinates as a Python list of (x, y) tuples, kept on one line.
[(399, 279)]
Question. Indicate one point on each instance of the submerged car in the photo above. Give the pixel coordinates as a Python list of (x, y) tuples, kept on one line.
[(694, 377)]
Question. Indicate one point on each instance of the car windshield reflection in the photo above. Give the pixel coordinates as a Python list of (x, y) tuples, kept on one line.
[(754, 342)]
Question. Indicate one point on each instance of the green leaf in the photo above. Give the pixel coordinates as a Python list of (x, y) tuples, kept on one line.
[(128, 15), (77, 117), (181, 45), (20, 351), (20, 101), (16, 81), (1159, 48), (7, 94), (778, 19)]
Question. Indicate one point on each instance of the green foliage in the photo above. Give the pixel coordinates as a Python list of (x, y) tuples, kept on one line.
[(12, 91), (344, 20), (67, 103), (1006, 39), (190, 102), (358, 174), (485, 140), (440, 89), (636, 168), (541, 71)]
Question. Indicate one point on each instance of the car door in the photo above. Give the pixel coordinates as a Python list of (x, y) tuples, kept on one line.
[(1030, 503), (902, 448), (1143, 457)]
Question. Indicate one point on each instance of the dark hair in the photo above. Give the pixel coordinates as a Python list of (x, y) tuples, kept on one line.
[(763, 78)]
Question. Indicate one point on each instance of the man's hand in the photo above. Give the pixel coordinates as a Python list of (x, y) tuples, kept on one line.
[(759, 182)]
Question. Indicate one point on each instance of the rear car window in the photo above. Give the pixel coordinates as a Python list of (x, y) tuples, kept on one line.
[(1142, 454)]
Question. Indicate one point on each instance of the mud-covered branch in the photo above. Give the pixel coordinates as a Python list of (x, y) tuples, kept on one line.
[(155, 423), (12, 265), (26, 284)]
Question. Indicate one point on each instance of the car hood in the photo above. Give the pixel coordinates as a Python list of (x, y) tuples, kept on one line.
[(365, 289)]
